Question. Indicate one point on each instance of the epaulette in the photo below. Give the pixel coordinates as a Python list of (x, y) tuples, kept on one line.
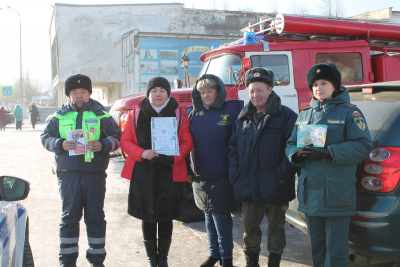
[(307, 107), (348, 105)]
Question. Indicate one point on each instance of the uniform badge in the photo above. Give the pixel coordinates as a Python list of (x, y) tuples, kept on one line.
[(93, 130), (256, 74), (79, 81), (318, 70), (356, 113), (224, 120), (359, 120)]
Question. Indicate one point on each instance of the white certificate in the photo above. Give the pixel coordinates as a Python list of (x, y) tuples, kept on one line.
[(164, 135)]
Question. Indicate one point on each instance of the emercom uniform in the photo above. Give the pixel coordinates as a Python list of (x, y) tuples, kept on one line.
[(326, 187), (81, 180)]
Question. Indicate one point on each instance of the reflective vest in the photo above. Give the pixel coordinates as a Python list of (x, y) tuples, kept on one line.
[(90, 123)]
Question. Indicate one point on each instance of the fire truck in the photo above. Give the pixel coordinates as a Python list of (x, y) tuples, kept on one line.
[(368, 56)]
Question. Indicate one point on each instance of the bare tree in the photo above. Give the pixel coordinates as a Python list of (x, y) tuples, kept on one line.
[(327, 7), (247, 8), (299, 8), (339, 9), (30, 86), (213, 4), (225, 4), (274, 6)]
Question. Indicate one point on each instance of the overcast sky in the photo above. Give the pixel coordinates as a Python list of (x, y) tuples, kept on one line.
[(36, 16)]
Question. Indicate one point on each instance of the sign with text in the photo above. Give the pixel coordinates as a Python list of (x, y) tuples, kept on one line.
[(7, 91)]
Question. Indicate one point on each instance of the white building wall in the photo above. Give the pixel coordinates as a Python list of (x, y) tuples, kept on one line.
[(89, 37)]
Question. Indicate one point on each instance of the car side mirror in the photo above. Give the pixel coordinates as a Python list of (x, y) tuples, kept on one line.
[(13, 188)]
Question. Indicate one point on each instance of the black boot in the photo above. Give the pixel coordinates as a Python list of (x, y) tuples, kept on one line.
[(163, 249), (274, 260), (227, 263), (151, 251), (210, 262), (252, 259)]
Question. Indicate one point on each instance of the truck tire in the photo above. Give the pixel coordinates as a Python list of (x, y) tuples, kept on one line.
[(28, 257)]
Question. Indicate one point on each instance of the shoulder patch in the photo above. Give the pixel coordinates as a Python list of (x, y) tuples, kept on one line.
[(356, 113), (348, 105)]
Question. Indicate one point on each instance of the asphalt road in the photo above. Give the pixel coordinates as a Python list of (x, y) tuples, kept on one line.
[(22, 155)]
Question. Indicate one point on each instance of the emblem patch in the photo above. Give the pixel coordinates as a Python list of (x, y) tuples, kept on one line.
[(256, 74), (92, 129), (359, 120), (79, 81), (356, 113), (318, 70), (224, 120)]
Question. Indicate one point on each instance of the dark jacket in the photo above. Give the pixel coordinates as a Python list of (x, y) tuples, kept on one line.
[(153, 196), (327, 187), (109, 139), (34, 114), (258, 167), (211, 130), (3, 118)]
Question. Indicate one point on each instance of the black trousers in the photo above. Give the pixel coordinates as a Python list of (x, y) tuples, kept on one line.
[(150, 230)]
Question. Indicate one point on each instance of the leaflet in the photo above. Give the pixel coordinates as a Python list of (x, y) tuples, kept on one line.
[(311, 134), (77, 136), (164, 135)]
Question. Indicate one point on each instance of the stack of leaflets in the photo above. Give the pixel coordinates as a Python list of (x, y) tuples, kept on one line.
[(77, 136)]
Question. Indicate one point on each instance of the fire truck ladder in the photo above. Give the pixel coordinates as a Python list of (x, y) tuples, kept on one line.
[(284, 27)]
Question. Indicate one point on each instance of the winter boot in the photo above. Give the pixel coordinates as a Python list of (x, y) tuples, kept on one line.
[(252, 259), (210, 262), (163, 249), (274, 260), (151, 251), (227, 263)]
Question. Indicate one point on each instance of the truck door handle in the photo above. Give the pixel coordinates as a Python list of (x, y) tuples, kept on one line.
[(289, 95)]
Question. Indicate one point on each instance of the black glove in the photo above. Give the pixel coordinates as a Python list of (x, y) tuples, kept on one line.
[(166, 160), (311, 152), (299, 156)]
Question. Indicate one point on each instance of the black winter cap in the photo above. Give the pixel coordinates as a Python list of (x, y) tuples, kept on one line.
[(325, 71), (78, 81), (260, 75), (158, 82)]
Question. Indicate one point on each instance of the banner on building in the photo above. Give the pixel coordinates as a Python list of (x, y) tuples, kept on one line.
[(161, 57)]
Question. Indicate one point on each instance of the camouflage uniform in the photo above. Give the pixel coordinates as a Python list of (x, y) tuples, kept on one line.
[(252, 217)]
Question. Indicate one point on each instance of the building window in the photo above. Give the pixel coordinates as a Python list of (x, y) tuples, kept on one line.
[(279, 64), (349, 65)]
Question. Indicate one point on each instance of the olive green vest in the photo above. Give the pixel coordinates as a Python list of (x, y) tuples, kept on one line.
[(90, 124)]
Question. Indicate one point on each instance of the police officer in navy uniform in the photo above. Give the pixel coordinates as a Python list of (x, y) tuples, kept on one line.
[(82, 178), (326, 185)]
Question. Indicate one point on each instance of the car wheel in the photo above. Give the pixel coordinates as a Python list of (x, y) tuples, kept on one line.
[(28, 257)]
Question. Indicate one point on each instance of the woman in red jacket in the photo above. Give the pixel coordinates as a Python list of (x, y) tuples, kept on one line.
[(155, 194)]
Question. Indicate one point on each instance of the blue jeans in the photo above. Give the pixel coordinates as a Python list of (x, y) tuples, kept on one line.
[(219, 231)]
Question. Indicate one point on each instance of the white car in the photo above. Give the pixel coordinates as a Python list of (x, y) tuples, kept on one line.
[(15, 249)]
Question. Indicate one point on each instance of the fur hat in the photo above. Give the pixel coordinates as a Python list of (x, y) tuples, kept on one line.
[(260, 75), (78, 81), (158, 82), (325, 71)]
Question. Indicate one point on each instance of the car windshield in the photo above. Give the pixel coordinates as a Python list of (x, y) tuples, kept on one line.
[(226, 67)]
